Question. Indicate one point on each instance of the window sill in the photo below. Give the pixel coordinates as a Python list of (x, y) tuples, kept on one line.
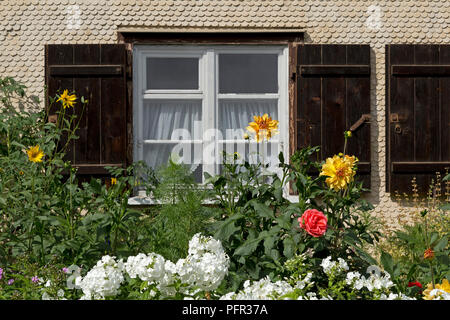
[(148, 201)]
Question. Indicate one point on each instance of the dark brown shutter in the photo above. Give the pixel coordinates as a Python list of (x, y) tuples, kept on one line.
[(97, 72), (333, 96), (417, 114)]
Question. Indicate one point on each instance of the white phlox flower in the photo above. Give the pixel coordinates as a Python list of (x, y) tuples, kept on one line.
[(263, 289), (330, 266), (103, 280), (439, 294), (148, 267)]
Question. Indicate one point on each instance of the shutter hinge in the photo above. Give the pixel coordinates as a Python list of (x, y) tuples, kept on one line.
[(364, 118)]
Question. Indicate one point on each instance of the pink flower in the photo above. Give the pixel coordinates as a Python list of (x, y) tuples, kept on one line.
[(314, 222), (65, 270), (10, 281), (35, 279)]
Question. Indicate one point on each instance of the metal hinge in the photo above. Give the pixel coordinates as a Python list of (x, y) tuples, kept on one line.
[(394, 117), (364, 118)]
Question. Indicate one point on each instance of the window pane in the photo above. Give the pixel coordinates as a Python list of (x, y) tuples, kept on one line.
[(172, 73), (162, 117), (235, 115), (157, 155), (248, 73)]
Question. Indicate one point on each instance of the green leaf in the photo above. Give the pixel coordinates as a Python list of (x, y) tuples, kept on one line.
[(443, 259), (269, 244), (441, 245), (284, 221), (289, 247), (434, 237), (411, 272), (275, 255), (281, 157), (262, 210), (96, 185), (54, 220), (365, 256), (248, 247), (387, 262), (227, 228)]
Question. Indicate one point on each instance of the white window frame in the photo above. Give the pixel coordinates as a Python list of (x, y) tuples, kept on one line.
[(208, 87)]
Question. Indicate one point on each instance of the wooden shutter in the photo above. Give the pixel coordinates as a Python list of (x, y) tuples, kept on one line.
[(333, 95), (97, 72), (417, 114)]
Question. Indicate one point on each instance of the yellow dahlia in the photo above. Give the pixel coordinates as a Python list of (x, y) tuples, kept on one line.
[(351, 162), (66, 99), (339, 170), (263, 127), (445, 286), (113, 181), (34, 154)]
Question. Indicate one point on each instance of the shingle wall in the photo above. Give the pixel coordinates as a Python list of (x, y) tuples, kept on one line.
[(26, 25)]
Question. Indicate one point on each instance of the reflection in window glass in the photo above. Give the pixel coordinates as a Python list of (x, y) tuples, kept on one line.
[(172, 73), (248, 73)]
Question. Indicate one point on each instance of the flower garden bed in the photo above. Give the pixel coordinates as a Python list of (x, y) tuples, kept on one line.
[(63, 239)]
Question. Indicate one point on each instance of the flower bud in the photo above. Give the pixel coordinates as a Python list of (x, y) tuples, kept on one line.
[(428, 254)]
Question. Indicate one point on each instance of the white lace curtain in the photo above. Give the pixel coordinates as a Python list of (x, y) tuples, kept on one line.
[(162, 117)]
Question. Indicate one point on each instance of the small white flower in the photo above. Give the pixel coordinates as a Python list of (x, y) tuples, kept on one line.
[(342, 264), (352, 277), (263, 289), (103, 280)]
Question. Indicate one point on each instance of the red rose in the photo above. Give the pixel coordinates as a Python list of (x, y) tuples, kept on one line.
[(314, 222), (417, 284)]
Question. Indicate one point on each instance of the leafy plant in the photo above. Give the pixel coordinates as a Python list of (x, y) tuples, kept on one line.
[(31, 171), (179, 212)]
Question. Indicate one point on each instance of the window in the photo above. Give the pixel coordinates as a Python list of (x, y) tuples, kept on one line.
[(194, 102)]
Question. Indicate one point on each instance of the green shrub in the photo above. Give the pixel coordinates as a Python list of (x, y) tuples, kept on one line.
[(260, 228), (180, 212)]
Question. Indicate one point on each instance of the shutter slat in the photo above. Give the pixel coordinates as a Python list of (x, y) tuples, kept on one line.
[(333, 70), (420, 70), (419, 167), (86, 70)]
